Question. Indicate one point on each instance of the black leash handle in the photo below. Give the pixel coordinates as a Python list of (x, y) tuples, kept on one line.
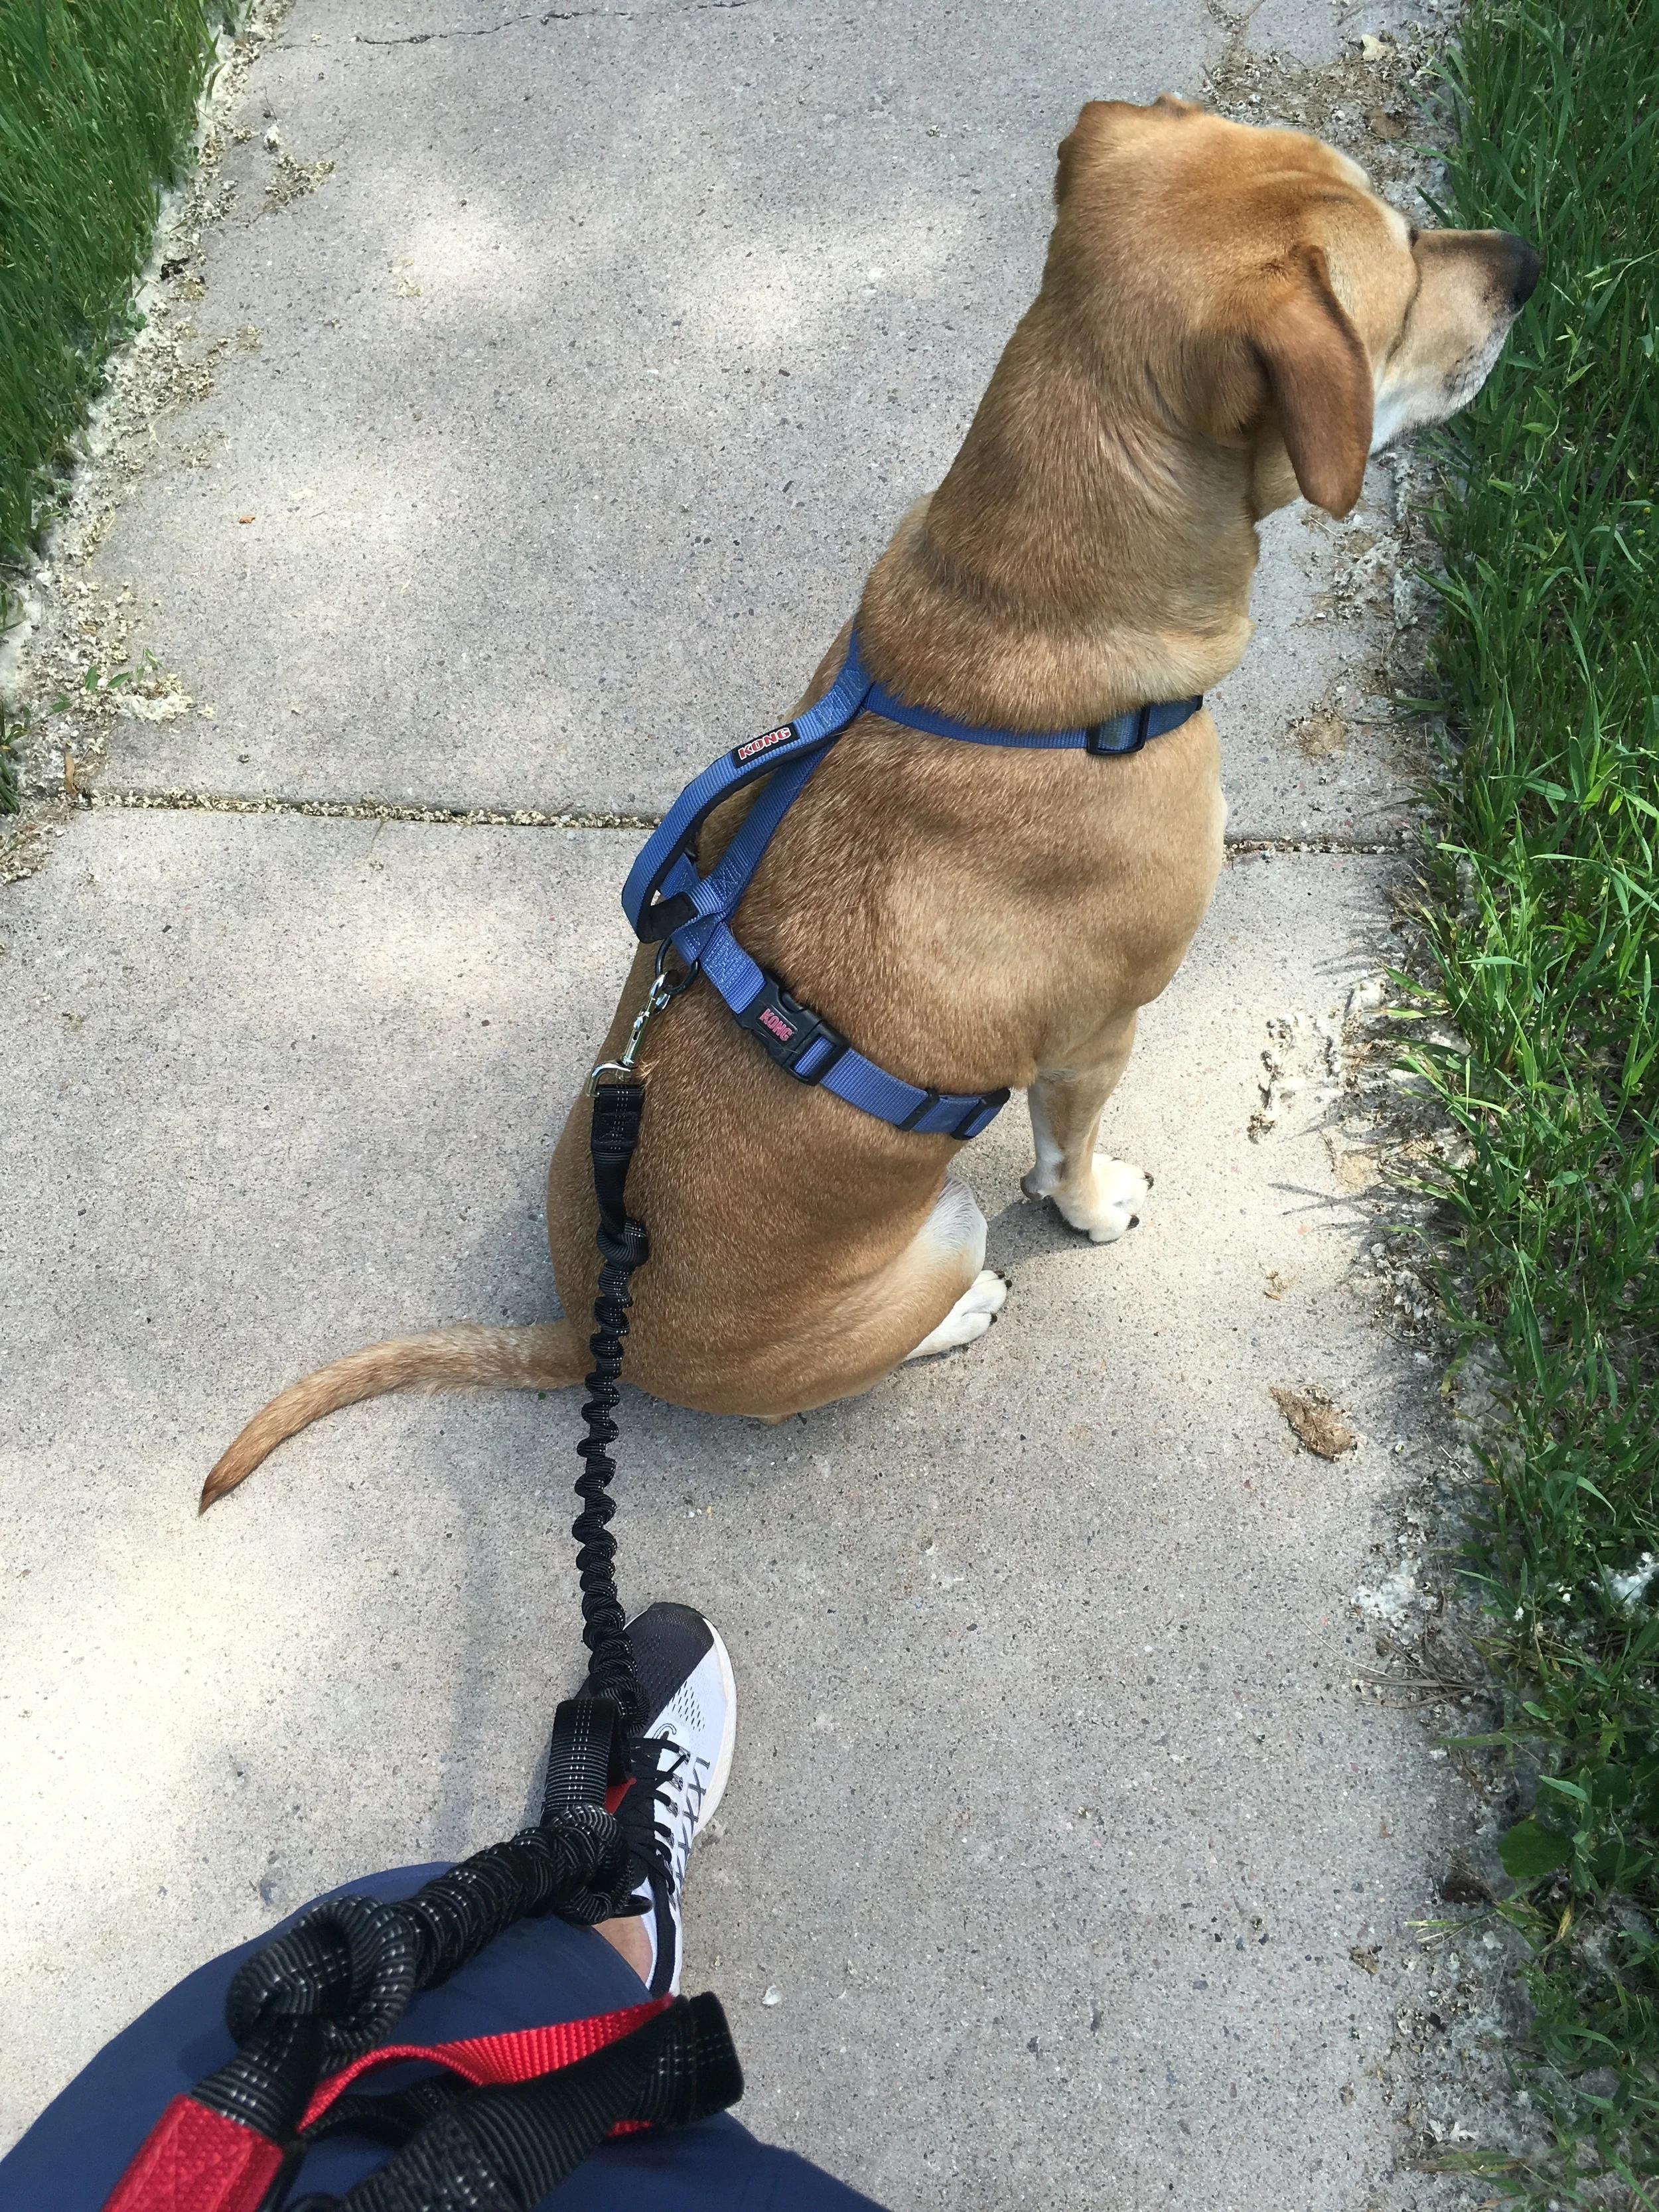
[(502, 2149), (337, 1982)]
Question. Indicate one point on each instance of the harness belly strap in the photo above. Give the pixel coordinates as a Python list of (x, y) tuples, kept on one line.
[(666, 897)]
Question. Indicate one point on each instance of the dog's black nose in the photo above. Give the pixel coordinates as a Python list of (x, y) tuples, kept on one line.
[(1523, 267)]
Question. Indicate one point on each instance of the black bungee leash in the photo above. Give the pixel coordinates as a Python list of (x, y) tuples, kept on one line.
[(617, 1088), (334, 1985)]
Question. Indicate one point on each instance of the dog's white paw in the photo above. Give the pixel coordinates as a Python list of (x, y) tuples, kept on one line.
[(968, 1319), (1109, 1207)]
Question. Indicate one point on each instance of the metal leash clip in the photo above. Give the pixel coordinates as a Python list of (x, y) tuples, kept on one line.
[(662, 992)]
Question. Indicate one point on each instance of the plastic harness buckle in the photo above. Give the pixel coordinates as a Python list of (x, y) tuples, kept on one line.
[(1136, 725), (790, 1031), (923, 1106), (984, 1108)]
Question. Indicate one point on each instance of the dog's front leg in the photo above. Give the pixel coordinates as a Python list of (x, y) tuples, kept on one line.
[(1100, 1195)]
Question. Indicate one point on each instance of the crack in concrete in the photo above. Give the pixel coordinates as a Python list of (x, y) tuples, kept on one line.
[(464, 31), (543, 17)]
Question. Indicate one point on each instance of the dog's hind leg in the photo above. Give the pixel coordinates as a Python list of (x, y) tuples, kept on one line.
[(545, 1356), (954, 1235), (968, 1319)]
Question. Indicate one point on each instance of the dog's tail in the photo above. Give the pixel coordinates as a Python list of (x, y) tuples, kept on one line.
[(547, 1356)]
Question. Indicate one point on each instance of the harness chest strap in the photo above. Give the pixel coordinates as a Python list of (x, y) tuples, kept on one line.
[(666, 897)]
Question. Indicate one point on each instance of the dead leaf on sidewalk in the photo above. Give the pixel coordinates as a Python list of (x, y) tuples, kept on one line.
[(1322, 735), (1461, 1885), (1316, 1422), (1353, 1166)]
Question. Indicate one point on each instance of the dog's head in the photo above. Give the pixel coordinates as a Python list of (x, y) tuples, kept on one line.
[(1267, 296)]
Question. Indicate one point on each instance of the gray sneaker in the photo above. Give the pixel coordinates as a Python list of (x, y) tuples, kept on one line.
[(682, 1762)]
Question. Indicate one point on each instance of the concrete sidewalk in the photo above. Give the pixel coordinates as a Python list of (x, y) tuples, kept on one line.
[(584, 390)]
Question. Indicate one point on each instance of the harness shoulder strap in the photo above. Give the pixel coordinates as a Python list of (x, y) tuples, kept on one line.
[(664, 896), (675, 837)]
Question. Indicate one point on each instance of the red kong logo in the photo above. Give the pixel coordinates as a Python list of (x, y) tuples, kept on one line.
[(757, 745), (770, 1020)]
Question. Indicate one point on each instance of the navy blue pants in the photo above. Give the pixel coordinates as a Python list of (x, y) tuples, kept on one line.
[(539, 1972)]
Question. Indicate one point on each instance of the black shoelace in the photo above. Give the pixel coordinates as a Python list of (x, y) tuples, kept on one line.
[(651, 1838)]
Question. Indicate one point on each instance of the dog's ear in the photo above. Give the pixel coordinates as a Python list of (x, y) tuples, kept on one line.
[(1097, 118), (1091, 121), (1320, 382)]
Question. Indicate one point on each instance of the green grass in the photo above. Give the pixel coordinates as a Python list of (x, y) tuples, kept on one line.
[(98, 101), (1543, 942)]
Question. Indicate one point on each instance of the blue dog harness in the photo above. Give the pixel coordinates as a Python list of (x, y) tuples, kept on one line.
[(666, 898)]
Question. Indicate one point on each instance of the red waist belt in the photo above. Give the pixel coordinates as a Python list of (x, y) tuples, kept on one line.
[(198, 2161)]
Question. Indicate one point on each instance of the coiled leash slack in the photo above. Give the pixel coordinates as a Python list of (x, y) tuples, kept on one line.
[(512, 2115), (617, 1088)]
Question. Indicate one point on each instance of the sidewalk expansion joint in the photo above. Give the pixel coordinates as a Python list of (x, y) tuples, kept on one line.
[(364, 810), (1245, 848), (530, 818)]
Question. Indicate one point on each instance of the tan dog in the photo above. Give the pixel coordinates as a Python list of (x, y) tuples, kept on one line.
[(1227, 315)]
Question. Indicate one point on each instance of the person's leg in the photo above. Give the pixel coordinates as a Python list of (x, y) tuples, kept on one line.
[(537, 1972), (630, 1939)]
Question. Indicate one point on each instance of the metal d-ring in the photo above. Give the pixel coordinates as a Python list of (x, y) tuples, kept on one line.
[(662, 992)]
